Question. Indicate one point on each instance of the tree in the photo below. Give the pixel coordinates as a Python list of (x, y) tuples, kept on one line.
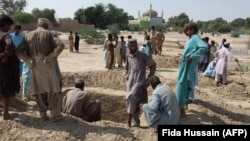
[(79, 15), (217, 23), (224, 28), (101, 16), (22, 17), (12, 6), (247, 26), (239, 22), (116, 15), (200, 24), (130, 17), (45, 13), (183, 19), (180, 20)]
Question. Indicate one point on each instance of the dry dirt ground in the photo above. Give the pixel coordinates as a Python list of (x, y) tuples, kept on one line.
[(226, 104)]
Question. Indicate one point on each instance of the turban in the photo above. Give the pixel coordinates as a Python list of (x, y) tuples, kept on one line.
[(43, 20)]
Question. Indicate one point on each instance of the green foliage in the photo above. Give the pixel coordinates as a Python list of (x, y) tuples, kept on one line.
[(88, 32), (45, 13), (224, 28), (114, 29), (102, 16), (179, 20), (163, 28), (13, 6), (248, 44), (134, 27), (235, 34), (22, 18), (239, 22), (79, 15), (178, 29), (247, 23), (91, 35)]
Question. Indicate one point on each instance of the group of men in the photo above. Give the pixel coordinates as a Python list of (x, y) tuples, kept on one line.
[(72, 42), (163, 108), (115, 51), (217, 67), (157, 39), (39, 48), (196, 56)]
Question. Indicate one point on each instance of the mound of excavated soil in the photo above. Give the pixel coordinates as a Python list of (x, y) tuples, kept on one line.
[(234, 90), (113, 79), (205, 81), (107, 79), (163, 61)]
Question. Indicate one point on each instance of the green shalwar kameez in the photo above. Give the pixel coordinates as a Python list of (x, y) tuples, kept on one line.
[(194, 48)]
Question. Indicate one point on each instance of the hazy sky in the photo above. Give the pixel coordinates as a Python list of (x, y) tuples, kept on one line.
[(196, 9)]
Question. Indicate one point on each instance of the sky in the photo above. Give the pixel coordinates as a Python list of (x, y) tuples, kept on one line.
[(202, 10)]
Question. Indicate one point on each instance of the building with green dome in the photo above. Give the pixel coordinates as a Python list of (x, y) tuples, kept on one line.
[(148, 18)]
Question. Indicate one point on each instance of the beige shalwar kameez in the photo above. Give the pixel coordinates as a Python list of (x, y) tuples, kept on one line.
[(40, 45)]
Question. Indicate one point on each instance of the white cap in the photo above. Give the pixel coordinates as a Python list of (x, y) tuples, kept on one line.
[(79, 80)]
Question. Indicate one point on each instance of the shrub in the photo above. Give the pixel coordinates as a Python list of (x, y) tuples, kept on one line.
[(235, 34), (114, 29), (88, 32), (91, 35), (22, 17), (248, 44)]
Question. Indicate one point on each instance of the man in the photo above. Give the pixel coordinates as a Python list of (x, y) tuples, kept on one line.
[(159, 39), (9, 67), (77, 103), (136, 92), (42, 49), (222, 56), (117, 55), (142, 48), (105, 49), (77, 39), (204, 58), (123, 49), (194, 48), (118, 52), (71, 41), (152, 35), (127, 49), (163, 108), (148, 48), (17, 37), (222, 42), (110, 52), (210, 71)]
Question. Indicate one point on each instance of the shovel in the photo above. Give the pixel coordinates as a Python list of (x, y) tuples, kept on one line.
[(241, 69), (241, 72)]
